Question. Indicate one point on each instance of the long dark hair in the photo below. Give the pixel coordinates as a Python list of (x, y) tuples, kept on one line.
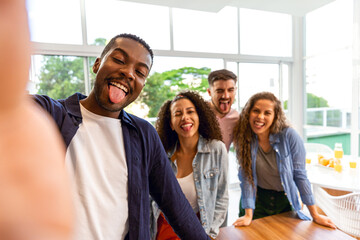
[(243, 133)]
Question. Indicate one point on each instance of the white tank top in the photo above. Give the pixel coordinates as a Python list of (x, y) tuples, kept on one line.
[(187, 185)]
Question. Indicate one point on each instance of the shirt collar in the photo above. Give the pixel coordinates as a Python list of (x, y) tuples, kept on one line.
[(201, 147), (72, 104), (274, 138)]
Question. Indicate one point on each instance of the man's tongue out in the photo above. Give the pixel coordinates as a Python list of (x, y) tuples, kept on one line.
[(116, 94), (224, 106)]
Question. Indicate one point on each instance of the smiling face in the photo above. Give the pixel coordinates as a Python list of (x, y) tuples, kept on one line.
[(120, 77), (261, 117), (184, 118), (222, 94)]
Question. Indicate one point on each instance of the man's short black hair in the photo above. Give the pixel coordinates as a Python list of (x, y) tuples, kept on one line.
[(222, 74), (131, 36)]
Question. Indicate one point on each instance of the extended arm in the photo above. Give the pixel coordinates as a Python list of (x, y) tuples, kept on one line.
[(35, 200), (301, 180), (320, 219), (247, 201)]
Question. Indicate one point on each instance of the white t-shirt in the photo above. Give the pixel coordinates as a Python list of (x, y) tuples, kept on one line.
[(96, 161), (187, 185)]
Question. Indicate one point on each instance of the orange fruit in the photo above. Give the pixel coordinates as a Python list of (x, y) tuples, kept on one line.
[(320, 157), (324, 161)]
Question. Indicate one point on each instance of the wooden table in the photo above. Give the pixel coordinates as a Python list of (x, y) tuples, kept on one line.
[(282, 226)]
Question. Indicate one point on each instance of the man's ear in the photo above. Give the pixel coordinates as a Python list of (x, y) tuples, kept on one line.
[(209, 91), (96, 65)]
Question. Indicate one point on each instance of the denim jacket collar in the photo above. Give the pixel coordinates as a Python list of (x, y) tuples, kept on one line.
[(201, 147), (274, 138)]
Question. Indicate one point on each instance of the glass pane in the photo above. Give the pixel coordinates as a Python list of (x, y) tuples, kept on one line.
[(92, 74), (285, 88), (170, 75), (265, 33), (55, 21), (108, 18), (162, 64), (257, 77), (328, 84), (329, 28), (56, 76), (233, 66), (329, 74), (206, 32)]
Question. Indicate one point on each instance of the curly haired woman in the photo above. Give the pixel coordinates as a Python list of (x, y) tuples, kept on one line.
[(272, 163), (191, 136)]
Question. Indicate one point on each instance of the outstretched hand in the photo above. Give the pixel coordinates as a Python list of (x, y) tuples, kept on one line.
[(36, 200)]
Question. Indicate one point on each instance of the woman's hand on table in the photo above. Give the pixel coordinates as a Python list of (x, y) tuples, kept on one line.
[(243, 221), (324, 221), (320, 219)]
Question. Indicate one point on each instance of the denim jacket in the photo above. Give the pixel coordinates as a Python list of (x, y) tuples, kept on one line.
[(210, 168), (290, 158)]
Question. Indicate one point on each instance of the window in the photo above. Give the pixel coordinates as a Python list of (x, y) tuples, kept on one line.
[(206, 32), (265, 33), (170, 75), (56, 21), (329, 74), (162, 64), (56, 76), (257, 77), (108, 18)]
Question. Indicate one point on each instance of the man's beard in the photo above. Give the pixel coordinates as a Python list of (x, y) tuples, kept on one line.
[(102, 104)]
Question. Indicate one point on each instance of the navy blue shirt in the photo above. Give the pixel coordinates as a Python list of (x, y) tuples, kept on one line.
[(149, 171)]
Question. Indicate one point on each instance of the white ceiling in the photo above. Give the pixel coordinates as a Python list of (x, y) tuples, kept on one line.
[(293, 7)]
